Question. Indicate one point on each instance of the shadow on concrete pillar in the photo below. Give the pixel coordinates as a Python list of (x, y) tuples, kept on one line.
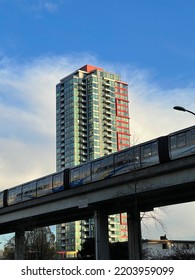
[(101, 235), (19, 245), (134, 234)]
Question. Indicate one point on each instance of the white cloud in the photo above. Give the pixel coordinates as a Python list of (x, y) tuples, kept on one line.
[(38, 6), (152, 109), (50, 7), (27, 109)]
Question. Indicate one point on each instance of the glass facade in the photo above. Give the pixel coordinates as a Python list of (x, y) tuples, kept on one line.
[(92, 120)]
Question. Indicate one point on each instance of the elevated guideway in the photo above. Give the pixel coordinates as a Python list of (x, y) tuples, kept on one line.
[(139, 190)]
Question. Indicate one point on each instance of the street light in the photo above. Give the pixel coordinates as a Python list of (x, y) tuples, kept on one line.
[(179, 108)]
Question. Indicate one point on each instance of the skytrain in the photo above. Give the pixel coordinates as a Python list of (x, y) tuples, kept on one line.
[(160, 150)]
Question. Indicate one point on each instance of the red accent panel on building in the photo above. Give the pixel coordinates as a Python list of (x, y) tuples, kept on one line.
[(120, 82), (89, 68)]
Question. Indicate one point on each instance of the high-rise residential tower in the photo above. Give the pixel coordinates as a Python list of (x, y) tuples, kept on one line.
[(92, 120)]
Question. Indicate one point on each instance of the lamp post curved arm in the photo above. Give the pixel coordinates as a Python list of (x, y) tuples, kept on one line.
[(179, 108)]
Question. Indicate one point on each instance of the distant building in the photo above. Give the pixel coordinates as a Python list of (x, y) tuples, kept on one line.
[(164, 248), (92, 120)]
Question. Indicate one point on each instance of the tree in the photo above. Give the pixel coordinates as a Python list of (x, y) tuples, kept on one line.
[(39, 245)]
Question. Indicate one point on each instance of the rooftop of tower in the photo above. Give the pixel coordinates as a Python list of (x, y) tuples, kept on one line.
[(88, 68)]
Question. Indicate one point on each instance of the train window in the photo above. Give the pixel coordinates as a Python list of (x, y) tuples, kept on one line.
[(86, 172), (123, 161), (107, 163), (96, 170), (154, 148), (14, 195), (44, 186), (29, 191), (104, 167), (96, 167), (76, 174), (40, 185), (173, 142), (120, 159), (48, 182), (181, 140), (137, 156), (146, 151), (58, 182), (83, 171)]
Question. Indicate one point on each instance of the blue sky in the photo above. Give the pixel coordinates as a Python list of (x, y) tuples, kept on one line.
[(150, 43), (156, 35)]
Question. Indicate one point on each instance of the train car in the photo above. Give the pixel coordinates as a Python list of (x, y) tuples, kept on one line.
[(43, 186), (182, 143)]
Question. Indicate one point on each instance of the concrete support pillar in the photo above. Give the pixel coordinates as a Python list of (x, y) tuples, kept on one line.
[(101, 235), (134, 235), (19, 245)]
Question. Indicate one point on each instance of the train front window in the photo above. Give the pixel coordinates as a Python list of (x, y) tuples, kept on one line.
[(173, 142), (181, 140), (154, 148)]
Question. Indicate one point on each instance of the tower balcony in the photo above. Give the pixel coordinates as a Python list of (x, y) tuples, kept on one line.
[(82, 112), (106, 99), (106, 94), (107, 106), (107, 117), (82, 106), (82, 134), (106, 88), (107, 135), (106, 111), (82, 94), (107, 140), (82, 129), (107, 129)]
